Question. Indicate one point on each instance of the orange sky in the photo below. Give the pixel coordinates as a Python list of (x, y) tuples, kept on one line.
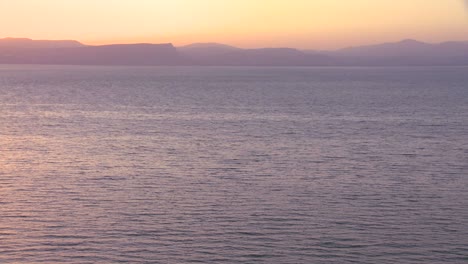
[(317, 24)]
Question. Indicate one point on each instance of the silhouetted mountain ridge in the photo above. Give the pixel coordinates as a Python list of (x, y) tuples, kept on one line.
[(200, 51), (25, 43), (265, 57), (403, 53), (408, 47), (116, 54)]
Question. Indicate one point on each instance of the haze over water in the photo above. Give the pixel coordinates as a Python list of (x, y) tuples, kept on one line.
[(233, 165)]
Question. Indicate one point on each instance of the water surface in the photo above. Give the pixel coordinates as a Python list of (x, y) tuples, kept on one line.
[(233, 165)]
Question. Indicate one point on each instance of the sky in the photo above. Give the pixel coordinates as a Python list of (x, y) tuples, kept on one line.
[(305, 24)]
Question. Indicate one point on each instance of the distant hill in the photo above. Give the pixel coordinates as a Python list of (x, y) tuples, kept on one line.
[(199, 52), (407, 48), (403, 53), (407, 52), (206, 49), (25, 43), (265, 57), (122, 54)]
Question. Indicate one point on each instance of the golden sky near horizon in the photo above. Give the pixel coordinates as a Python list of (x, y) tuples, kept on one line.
[(317, 24)]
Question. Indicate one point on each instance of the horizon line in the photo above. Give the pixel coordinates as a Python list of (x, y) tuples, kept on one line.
[(90, 43)]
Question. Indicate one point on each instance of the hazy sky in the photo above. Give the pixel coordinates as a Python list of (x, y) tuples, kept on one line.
[(318, 24)]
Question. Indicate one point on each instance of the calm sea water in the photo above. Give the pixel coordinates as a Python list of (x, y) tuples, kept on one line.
[(233, 165)]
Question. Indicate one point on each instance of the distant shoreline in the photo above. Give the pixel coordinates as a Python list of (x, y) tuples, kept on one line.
[(70, 52)]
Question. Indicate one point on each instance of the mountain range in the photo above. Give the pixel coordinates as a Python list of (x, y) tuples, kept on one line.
[(403, 53)]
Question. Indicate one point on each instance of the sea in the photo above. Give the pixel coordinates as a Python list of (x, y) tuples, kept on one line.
[(233, 165)]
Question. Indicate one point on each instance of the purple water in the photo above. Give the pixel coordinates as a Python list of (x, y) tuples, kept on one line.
[(233, 165)]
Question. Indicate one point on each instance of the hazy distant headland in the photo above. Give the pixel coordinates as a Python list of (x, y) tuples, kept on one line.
[(71, 52)]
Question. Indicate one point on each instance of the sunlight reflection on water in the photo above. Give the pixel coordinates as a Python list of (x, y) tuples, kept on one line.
[(249, 165)]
